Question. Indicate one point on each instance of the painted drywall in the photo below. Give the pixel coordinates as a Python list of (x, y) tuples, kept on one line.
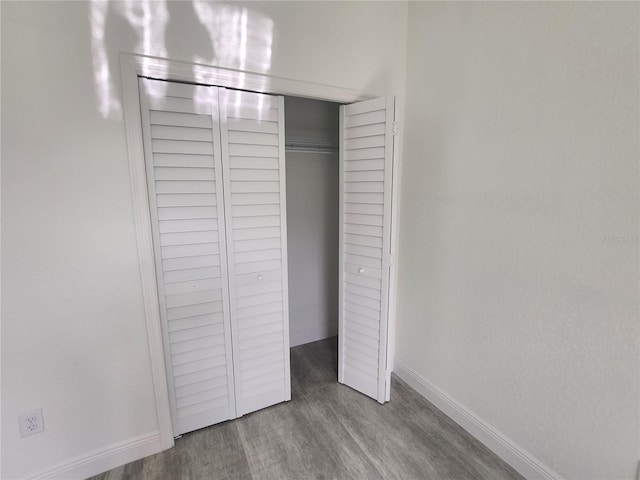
[(312, 234), (312, 220), (518, 261), (73, 331)]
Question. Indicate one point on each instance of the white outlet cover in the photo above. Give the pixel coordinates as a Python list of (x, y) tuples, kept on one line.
[(31, 422)]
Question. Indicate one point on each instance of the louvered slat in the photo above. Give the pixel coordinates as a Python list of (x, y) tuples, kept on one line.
[(365, 176), (262, 163), (197, 332), (255, 210), (196, 321), (363, 281), (258, 255), (182, 160), (254, 175), (367, 118), (185, 200), (364, 240), (248, 150), (369, 165), (200, 387), (200, 273), (259, 267), (253, 113), (255, 198), (259, 299), (257, 321), (257, 221), (195, 377), (188, 225), (179, 119), (363, 251), (362, 291), (188, 238), (257, 233), (362, 300), (369, 231), (177, 105), (176, 173), (258, 287), (365, 130), (262, 244), (193, 286), (176, 132), (274, 357), (362, 261), (193, 186), (241, 125), (187, 212), (252, 138)]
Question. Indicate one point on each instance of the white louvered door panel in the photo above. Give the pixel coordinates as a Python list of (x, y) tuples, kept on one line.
[(254, 178), (366, 162), (184, 177)]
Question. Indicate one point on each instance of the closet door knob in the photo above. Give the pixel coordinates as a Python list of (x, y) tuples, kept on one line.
[(361, 270), (259, 277)]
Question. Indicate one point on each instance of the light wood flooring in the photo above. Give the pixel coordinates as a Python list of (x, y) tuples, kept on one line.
[(327, 431)]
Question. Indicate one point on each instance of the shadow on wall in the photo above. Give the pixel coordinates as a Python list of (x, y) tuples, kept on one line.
[(240, 39)]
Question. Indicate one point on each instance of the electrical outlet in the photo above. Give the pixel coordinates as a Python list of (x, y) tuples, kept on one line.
[(31, 422)]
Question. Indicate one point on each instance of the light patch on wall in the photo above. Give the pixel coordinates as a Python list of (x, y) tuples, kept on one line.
[(149, 18), (240, 39), (108, 104), (236, 102)]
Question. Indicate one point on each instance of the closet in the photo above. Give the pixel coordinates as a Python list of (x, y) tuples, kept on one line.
[(215, 165)]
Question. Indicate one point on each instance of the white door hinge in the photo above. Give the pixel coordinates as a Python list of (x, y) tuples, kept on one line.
[(394, 128), (392, 261), (388, 375)]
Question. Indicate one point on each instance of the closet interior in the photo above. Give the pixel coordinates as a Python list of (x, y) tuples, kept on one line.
[(311, 146)]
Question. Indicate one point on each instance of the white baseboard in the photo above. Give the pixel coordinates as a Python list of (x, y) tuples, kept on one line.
[(512, 453), (313, 334), (103, 459)]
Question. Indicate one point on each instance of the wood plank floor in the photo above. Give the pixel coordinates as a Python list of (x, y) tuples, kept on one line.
[(327, 431)]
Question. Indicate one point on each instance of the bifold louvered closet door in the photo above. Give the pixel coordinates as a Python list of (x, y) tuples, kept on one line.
[(366, 168), (254, 183), (215, 167)]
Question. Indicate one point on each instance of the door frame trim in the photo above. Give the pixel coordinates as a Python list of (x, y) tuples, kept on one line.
[(133, 66)]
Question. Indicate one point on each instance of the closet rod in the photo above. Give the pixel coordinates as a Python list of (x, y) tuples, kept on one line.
[(299, 145), (300, 150)]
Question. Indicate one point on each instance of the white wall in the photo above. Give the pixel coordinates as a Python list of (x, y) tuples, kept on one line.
[(520, 165), (312, 233), (73, 332)]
